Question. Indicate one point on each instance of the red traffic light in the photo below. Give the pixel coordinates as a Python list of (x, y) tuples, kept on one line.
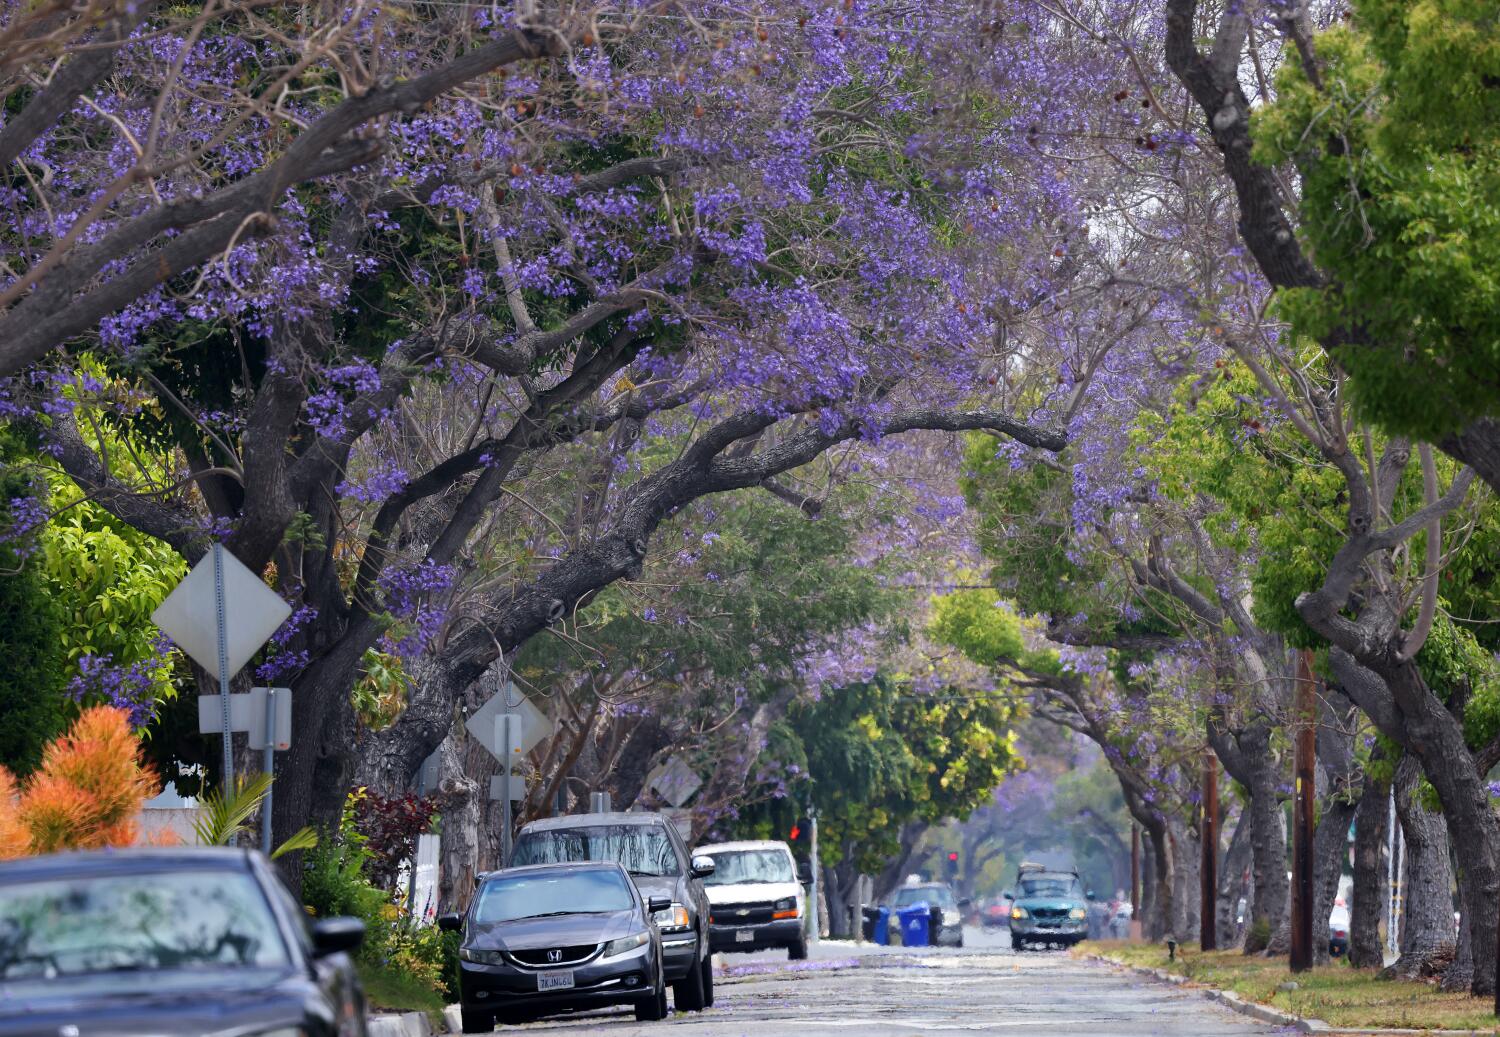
[(953, 857), (796, 832)]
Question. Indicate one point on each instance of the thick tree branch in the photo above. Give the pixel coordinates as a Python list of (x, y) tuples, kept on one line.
[(68, 302)]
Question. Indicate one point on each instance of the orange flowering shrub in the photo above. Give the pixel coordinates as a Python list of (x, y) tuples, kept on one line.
[(87, 793), (13, 837)]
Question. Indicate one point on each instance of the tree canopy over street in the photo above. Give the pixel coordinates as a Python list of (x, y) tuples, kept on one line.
[(958, 419)]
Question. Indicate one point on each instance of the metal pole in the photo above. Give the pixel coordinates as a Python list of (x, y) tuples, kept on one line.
[(223, 638), (268, 765), (1209, 871), (812, 900), (502, 723), (1302, 827), (859, 909), (1393, 875), (1398, 908)]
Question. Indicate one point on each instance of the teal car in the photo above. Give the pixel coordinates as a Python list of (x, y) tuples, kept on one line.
[(1047, 907)]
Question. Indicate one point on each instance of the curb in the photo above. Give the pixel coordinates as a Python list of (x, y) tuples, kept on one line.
[(1274, 1016), (404, 1024), (1232, 1001)]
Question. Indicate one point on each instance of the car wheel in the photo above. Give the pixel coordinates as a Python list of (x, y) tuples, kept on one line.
[(477, 1022), (688, 995), (960, 941), (708, 982), (797, 951), (654, 1008), (1017, 943)]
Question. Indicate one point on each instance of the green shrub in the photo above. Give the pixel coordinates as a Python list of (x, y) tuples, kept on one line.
[(403, 953)]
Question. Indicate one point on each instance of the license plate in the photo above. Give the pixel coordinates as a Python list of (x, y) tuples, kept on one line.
[(744, 936), (555, 980)]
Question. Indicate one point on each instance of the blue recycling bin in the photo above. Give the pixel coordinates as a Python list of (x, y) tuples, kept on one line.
[(915, 925), (882, 930)]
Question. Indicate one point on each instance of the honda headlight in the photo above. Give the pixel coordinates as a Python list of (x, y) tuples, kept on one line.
[(1019, 912), (1078, 913), (674, 917), (481, 957), (625, 944), (786, 907)]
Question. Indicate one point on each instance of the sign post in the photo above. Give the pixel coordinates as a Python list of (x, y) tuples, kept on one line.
[(1209, 868), (509, 726), (220, 615), (222, 639), (812, 899), (1302, 813)]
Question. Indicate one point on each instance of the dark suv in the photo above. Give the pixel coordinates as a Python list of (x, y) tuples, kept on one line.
[(1050, 906), (649, 848)]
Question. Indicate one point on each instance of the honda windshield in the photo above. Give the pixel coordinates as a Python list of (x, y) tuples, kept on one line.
[(639, 849), (506, 898)]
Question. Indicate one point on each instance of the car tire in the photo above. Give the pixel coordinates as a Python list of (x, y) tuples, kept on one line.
[(689, 995), (960, 940), (654, 1008), (477, 1022), (708, 982), (1017, 944), (797, 951)]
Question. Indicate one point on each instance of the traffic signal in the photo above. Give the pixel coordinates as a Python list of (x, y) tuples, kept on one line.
[(952, 865), (801, 832)]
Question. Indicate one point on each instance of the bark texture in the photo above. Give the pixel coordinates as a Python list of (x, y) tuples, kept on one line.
[(1426, 924), (1371, 833), (1234, 883)]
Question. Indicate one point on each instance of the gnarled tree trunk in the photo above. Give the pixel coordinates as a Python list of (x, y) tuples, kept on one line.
[(1371, 832), (1427, 943), (1234, 871)]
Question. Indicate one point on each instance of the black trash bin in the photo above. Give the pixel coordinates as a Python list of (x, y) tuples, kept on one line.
[(867, 922), (935, 924)]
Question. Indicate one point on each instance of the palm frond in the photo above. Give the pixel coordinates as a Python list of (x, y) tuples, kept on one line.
[(222, 819), (303, 839)]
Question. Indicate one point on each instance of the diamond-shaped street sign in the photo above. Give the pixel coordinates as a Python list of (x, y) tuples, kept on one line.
[(252, 612), (674, 781), (536, 726)]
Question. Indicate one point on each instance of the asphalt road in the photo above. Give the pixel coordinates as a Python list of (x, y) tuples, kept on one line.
[(984, 988)]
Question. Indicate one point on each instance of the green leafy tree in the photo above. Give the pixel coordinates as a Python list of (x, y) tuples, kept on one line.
[(1397, 141), (31, 638)]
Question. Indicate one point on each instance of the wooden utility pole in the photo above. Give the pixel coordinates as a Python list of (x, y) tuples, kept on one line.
[(1209, 871), (1306, 721)]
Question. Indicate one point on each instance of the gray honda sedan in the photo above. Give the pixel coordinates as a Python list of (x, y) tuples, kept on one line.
[(554, 938)]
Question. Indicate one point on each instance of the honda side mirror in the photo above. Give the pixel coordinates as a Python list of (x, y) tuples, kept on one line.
[(1007, 895), (335, 935), (703, 867), (1090, 895), (804, 873), (657, 903), (964, 903), (450, 923)]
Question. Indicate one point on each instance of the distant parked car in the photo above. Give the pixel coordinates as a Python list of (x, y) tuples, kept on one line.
[(995, 914), (756, 897), (950, 931), (649, 848), (1338, 929), (556, 937), (166, 943)]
